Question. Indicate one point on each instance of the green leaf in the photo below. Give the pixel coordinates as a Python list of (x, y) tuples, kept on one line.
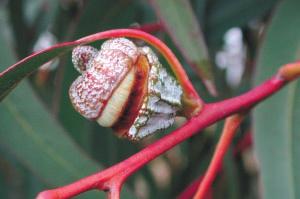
[(276, 121), (31, 134), (10, 78), (183, 27)]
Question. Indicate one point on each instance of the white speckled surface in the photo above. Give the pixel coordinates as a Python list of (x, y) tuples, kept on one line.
[(92, 89)]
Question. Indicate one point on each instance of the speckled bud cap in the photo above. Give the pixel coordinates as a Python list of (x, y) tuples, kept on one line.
[(90, 92)]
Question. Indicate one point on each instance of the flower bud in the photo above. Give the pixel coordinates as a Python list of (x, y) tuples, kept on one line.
[(124, 87)]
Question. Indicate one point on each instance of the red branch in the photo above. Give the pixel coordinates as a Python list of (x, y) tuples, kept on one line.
[(112, 178), (231, 125), (191, 100)]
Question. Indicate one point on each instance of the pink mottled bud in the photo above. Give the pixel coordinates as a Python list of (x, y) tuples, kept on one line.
[(91, 91), (81, 56)]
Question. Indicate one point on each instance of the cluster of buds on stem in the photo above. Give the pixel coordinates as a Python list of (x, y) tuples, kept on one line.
[(124, 87)]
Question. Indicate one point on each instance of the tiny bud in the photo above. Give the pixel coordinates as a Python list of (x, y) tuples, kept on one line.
[(81, 56)]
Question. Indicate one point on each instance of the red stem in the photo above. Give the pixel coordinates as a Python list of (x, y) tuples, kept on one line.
[(192, 101), (231, 125), (209, 115), (191, 98)]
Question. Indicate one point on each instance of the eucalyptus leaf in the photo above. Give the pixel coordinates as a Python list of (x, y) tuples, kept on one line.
[(181, 23), (222, 15), (276, 121), (36, 139)]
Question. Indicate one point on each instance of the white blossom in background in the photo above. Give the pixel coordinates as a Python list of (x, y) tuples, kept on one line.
[(232, 56), (46, 40)]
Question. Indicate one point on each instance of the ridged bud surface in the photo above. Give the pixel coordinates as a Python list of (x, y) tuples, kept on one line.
[(90, 91)]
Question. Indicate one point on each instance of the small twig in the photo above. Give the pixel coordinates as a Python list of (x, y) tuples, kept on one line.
[(231, 125)]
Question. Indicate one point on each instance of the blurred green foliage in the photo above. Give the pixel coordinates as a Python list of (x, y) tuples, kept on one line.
[(44, 143)]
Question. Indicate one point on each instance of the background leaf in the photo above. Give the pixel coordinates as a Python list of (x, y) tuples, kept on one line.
[(276, 121), (222, 15), (182, 25), (31, 134), (17, 73), (22, 132)]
